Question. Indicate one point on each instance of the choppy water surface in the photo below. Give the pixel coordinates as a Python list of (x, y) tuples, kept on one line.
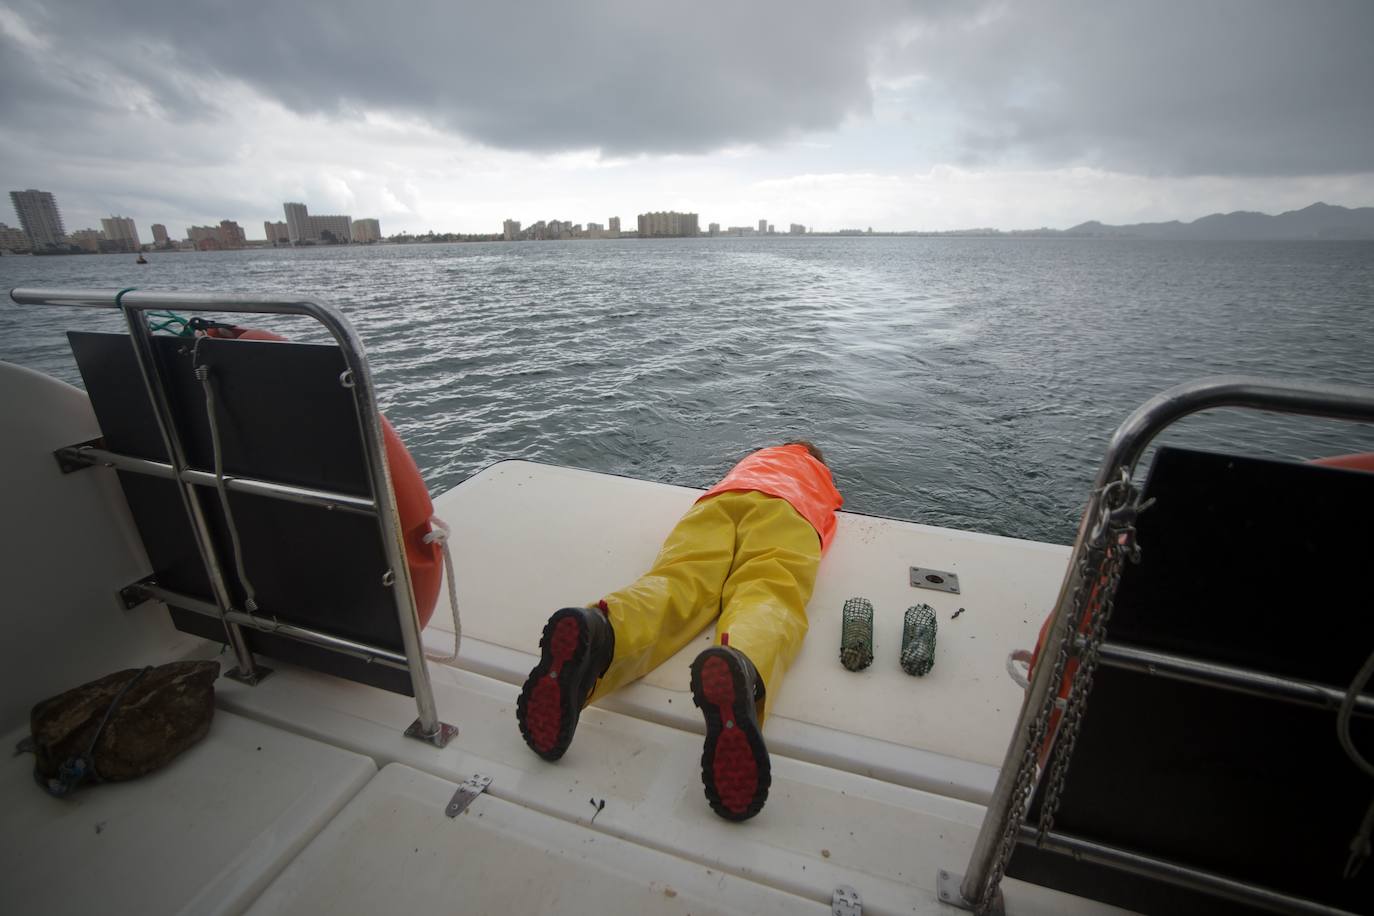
[(970, 383)]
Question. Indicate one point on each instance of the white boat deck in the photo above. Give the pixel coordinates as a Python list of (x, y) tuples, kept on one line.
[(529, 538), (875, 774), (206, 835)]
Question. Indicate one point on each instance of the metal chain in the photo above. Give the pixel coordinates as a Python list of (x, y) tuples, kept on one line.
[(1117, 544), (1115, 523)]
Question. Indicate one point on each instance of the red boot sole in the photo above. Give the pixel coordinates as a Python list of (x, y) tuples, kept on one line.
[(734, 765), (546, 712)]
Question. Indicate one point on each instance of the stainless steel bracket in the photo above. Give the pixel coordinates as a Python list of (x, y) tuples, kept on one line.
[(252, 679), (440, 738), (935, 579), (135, 593), (69, 458), (468, 789), (846, 902), (947, 886)]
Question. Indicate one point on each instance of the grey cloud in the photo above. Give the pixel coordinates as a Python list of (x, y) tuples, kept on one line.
[(1230, 88), (1238, 87), (623, 77)]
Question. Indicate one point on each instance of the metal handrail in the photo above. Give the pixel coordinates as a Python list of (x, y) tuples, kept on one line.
[(1124, 451), (93, 456), (133, 303)]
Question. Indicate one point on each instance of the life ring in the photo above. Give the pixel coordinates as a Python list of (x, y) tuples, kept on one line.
[(1361, 462), (425, 558)]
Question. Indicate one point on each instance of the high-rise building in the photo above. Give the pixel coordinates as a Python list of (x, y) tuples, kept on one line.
[(713, 229), (367, 231), (227, 236), (332, 230), (38, 214), (771, 230), (205, 238), (613, 225), (297, 223), (120, 233), (796, 229), (12, 239), (669, 224), (87, 240), (231, 234), (277, 233), (763, 226), (160, 235), (510, 230)]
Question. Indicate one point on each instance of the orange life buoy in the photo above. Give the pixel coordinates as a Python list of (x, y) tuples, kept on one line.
[(424, 559), (1361, 462)]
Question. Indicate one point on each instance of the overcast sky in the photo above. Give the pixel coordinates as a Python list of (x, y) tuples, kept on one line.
[(453, 116)]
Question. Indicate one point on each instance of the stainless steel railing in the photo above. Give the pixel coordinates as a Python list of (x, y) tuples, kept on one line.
[(133, 303), (1124, 451)]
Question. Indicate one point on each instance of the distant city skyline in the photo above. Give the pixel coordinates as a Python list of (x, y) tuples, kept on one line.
[(899, 116), (42, 229)]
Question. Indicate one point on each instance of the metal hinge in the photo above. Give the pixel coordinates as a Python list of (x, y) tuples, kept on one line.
[(846, 902), (469, 789)]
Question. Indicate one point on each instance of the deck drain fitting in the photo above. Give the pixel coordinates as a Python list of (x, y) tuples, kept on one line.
[(918, 640), (856, 634)]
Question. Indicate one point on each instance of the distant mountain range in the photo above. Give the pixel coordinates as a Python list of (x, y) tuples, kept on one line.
[(1319, 221)]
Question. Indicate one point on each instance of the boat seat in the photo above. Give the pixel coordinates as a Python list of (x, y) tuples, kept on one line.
[(284, 417), (203, 835), (1253, 564)]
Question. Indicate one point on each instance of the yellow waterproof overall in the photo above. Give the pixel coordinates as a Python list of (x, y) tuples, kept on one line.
[(748, 558)]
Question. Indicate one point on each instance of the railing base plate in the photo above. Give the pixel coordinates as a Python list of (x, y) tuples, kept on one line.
[(947, 886), (440, 738)]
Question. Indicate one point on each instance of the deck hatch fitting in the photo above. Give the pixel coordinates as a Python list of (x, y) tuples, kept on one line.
[(935, 579), (468, 789), (846, 902)]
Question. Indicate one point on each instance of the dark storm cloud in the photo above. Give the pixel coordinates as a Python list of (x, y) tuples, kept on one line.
[(1228, 88), (624, 77), (1239, 87)]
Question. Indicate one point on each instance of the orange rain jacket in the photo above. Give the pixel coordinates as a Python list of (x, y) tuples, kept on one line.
[(789, 472)]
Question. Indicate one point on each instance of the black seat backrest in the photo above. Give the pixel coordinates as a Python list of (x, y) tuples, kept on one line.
[(283, 416), (1259, 564)]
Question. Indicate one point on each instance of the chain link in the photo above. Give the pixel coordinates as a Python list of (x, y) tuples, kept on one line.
[(1110, 542)]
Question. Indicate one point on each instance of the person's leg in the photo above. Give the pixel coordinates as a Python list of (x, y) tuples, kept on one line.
[(765, 595), (767, 589), (643, 625), (677, 598)]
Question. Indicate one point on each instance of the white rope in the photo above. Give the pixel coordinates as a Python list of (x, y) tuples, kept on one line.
[(1019, 657), (1022, 678), (250, 603), (438, 534)]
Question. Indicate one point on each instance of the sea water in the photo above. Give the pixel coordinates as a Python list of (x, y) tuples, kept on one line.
[(970, 383)]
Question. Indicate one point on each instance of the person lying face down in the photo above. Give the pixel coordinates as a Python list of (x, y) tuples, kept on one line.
[(745, 556)]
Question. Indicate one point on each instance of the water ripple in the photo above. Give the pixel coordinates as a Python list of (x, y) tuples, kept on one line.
[(971, 383)]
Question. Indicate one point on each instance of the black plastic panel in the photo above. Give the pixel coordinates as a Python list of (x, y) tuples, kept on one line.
[(284, 417), (1254, 563)]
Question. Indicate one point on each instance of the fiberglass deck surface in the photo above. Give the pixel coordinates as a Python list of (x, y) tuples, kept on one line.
[(203, 835), (529, 538), (393, 849)]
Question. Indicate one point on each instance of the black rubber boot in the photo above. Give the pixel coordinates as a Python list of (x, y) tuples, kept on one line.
[(734, 761), (576, 649)]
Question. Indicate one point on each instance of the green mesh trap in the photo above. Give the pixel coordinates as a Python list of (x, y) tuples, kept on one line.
[(856, 634), (918, 640)]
